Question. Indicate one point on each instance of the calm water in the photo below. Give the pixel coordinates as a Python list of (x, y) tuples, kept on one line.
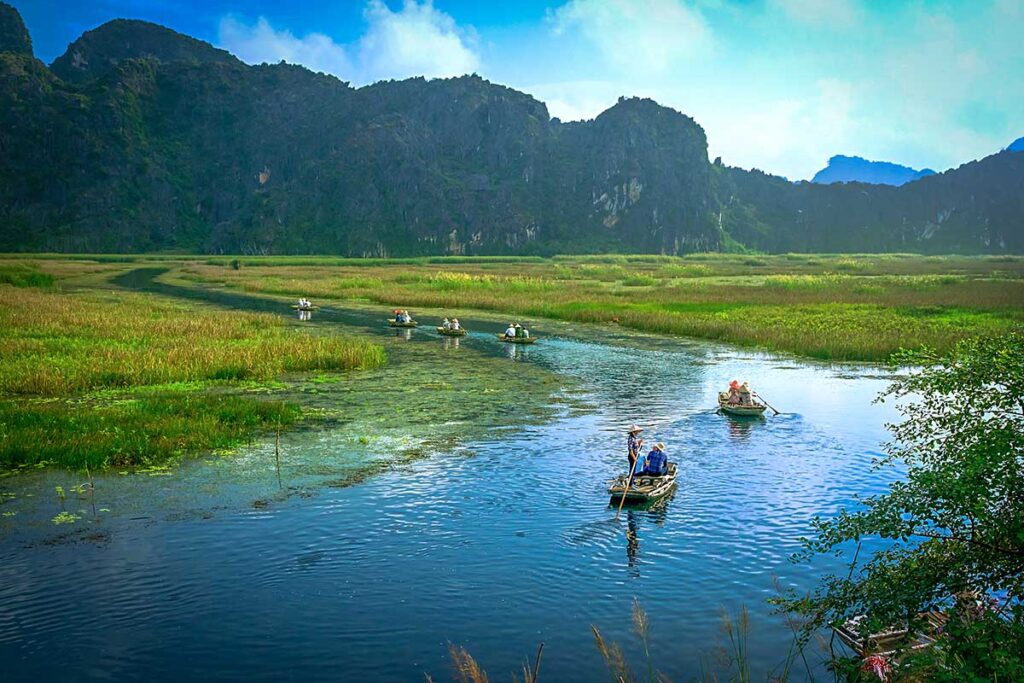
[(494, 533)]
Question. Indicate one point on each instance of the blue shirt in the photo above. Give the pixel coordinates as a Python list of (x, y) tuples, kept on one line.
[(657, 462)]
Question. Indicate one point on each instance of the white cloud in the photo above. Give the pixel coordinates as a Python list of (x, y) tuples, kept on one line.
[(649, 37), (260, 43), (417, 40)]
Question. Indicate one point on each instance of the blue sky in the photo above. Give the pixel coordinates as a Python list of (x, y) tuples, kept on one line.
[(779, 85)]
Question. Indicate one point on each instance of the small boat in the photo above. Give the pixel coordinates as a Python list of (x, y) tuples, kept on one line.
[(892, 640), (754, 409), (516, 340), (305, 308), (411, 323), (644, 488), (461, 332)]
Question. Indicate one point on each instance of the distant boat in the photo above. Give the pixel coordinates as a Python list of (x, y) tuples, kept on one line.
[(644, 488), (411, 323), (751, 410), (516, 340), (305, 308), (461, 332)]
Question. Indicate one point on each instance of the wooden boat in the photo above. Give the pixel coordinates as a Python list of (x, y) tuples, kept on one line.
[(644, 488), (461, 332), (412, 323), (305, 308), (892, 640), (734, 409), (516, 340)]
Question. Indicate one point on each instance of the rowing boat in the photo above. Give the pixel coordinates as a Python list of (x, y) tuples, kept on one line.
[(516, 340), (451, 333), (752, 410), (893, 640), (305, 308), (392, 323), (645, 487)]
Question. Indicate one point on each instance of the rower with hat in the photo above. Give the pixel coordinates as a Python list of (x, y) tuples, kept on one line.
[(633, 447)]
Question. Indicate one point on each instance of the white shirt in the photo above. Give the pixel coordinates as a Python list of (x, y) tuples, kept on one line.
[(510, 332)]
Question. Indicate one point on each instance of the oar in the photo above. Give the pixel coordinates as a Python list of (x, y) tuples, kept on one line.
[(629, 481), (765, 402)]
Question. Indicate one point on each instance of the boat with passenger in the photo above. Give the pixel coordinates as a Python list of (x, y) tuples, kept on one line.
[(644, 488)]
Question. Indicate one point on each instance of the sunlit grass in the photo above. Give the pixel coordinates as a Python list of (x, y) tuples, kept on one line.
[(848, 307), (100, 379), (58, 343)]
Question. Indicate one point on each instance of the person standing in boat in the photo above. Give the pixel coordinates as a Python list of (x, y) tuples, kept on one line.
[(634, 445), (657, 461)]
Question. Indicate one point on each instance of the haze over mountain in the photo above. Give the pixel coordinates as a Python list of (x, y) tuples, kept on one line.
[(139, 138), (844, 169)]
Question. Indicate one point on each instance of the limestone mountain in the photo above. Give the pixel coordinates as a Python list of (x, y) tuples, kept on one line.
[(99, 51), (844, 169), (139, 139)]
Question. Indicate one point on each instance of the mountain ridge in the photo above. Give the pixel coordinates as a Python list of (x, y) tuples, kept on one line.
[(157, 141), (854, 169)]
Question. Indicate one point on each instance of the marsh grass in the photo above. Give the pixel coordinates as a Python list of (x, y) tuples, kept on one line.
[(791, 303), (134, 431), (54, 344), (98, 379), (22, 275)]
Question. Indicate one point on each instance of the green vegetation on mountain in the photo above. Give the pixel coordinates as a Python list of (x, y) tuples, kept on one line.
[(142, 139)]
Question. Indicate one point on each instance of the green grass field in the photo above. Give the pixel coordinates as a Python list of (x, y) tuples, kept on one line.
[(833, 307), (92, 377)]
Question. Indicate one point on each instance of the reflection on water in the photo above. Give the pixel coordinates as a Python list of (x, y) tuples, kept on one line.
[(501, 537), (305, 315), (450, 342), (740, 426)]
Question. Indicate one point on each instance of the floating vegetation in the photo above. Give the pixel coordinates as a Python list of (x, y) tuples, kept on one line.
[(65, 518)]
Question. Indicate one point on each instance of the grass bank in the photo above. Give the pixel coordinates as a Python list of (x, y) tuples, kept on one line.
[(87, 377), (833, 307)]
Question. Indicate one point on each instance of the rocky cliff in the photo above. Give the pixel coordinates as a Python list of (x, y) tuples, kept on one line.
[(140, 138)]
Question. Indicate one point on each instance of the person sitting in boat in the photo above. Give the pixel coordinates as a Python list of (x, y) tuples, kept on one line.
[(398, 315), (519, 330), (455, 324), (745, 399), (526, 333), (406, 318), (657, 461), (511, 331), (734, 392), (446, 325), (634, 445)]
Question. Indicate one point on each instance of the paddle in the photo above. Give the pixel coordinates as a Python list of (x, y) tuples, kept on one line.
[(629, 482), (765, 402)]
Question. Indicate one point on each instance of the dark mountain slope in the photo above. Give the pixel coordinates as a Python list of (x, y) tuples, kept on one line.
[(976, 208), (156, 141), (13, 34), (98, 51)]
